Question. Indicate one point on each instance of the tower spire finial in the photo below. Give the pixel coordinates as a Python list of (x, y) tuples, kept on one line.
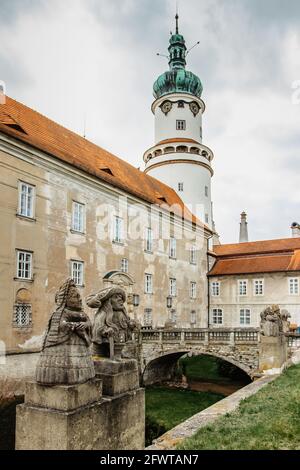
[(176, 18)]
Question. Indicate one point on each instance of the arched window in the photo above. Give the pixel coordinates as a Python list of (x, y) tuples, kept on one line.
[(194, 150), (169, 150), (157, 153), (181, 148)]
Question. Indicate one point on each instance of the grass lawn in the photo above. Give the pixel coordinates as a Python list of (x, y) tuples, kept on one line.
[(270, 419), (169, 407)]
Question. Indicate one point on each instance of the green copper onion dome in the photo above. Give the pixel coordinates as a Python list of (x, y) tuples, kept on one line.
[(177, 79)]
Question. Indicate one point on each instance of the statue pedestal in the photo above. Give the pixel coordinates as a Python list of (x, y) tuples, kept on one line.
[(78, 417), (272, 353), (56, 417), (117, 376)]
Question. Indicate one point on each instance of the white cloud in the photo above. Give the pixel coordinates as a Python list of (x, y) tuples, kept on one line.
[(96, 60)]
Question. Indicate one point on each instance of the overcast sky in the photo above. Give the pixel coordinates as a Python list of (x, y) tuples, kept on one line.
[(96, 60)]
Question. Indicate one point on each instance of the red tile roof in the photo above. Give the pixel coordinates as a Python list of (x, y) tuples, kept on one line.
[(267, 256), (30, 127)]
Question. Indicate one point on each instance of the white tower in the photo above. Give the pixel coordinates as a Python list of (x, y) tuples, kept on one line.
[(178, 158)]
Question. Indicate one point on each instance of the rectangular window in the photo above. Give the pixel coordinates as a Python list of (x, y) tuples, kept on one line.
[(77, 272), (294, 286), (148, 283), (148, 316), (172, 287), (242, 287), (201, 132), (180, 125), (245, 316), (24, 265), (206, 218), (26, 200), (118, 229), (206, 191), (215, 288), (124, 265), (22, 315), (193, 290), (193, 317), (78, 215), (217, 316), (258, 286), (180, 186), (172, 251), (149, 239), (193, 255)]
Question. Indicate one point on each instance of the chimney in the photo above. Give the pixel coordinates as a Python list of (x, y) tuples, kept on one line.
[(295, 229), (243, 228)]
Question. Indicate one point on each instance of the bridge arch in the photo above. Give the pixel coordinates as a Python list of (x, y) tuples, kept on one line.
[(162, 367)]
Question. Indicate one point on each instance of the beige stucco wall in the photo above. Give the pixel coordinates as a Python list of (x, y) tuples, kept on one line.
[(276, 291), (54, 245)]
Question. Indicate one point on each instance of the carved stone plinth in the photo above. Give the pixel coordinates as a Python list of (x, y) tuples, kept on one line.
[(76, 417), (117, 376), (272, 353), (54, 417)]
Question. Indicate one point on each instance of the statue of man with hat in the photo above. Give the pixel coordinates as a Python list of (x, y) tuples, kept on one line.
[(112, 325)]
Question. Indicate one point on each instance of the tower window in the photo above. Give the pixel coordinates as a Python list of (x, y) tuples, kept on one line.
[(206, 218), (200, 132), (206, 191), (180, 186), (180, 104), (180, 125)]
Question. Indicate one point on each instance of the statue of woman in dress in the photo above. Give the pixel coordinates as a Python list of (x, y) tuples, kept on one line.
[(65, 356)]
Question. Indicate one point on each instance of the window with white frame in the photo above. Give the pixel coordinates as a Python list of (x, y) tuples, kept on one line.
[(180, 125), (78, 216), (206, 191), (24, 265), (172, 287), (193, 317), (180, 187), (258, 285), (245, 316), (124, 265), (118, 229), (242, 287), (193, 254), (77, 272), (193, 290), (22, 315), (215, 288), (217, 316), (149, 239), (294, 286), (26, 199), (148, 283), (148, 316), (172, 250), (173, 315)]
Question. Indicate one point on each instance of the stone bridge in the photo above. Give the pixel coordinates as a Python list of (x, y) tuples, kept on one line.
[(161, 349)]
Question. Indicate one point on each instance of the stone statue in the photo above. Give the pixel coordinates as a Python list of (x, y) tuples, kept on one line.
[(112, 325), (65, 356), (285, 315), (271, 321)]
